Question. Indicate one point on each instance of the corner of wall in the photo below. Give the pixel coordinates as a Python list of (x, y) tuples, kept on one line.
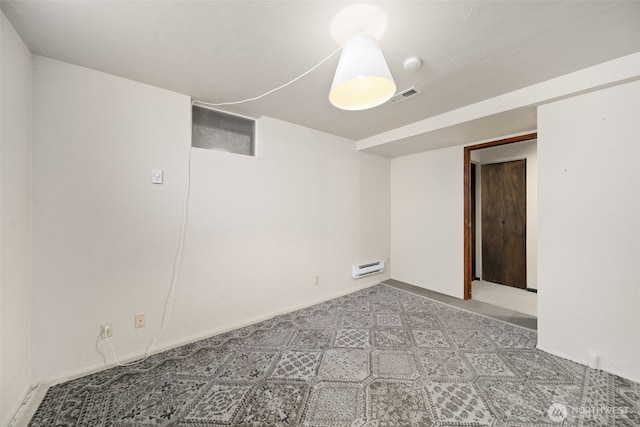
[(15, 221)]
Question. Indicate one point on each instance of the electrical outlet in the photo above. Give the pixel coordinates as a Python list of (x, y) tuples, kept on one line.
[(106, 330), (140, 320)]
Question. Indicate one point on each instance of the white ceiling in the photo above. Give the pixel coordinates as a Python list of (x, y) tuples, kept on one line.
[(224, 51)]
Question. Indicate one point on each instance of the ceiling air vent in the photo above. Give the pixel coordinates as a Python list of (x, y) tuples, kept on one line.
[(405, 94)]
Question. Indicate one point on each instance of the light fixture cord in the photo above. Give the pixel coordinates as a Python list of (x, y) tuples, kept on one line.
[(185, 216), (276, 89), (177, 260)]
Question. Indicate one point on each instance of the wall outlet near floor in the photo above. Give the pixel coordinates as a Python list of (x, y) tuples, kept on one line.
[(317, 280), (106, 330), (140, 320)]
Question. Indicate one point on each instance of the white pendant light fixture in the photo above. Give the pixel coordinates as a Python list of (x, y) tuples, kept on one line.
[(362, 79)]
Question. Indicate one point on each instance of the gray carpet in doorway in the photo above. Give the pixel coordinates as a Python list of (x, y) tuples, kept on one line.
[(377, 357)]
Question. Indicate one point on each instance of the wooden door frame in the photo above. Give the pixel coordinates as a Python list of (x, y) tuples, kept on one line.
[(467, 200)]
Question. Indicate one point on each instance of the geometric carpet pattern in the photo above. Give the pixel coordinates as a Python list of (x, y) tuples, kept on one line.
[(377, 357)]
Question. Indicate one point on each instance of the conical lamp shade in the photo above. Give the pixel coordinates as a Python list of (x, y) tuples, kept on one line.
[(362, 79)]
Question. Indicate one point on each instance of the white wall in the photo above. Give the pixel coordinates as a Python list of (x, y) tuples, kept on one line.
[(15, 221), (375, 209), (589, 228), (427, 219), (260, 229), (504, 153), (104, 237)]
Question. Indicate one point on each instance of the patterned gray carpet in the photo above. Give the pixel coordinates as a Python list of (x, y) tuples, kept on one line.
[(377, 357)]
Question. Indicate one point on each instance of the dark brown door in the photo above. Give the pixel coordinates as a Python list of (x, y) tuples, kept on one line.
[(504, 223)]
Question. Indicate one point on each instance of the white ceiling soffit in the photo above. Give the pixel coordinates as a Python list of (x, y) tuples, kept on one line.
[(510, 113), (224, 51), (522, 120)]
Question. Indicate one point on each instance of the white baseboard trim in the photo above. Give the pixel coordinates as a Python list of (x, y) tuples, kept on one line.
[(26, 406), (604, 366), (130, 357)]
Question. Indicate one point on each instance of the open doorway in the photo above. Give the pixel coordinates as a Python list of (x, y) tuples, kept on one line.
[(502, 154)]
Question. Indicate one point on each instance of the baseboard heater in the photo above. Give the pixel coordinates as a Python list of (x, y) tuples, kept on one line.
[(361, 270)]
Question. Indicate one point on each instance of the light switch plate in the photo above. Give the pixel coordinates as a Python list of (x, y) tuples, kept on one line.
[(156, 176)]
